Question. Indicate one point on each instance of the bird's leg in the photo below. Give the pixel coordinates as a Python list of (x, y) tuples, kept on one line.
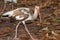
[(16, 30), (28, 30)]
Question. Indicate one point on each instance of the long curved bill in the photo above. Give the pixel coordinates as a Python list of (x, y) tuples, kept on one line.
[(40, 17)]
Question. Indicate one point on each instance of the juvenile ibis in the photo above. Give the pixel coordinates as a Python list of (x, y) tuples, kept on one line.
[(22, 16)]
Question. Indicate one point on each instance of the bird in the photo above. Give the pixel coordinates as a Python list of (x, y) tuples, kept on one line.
[(5, 4), (23, 16), (14, 1)]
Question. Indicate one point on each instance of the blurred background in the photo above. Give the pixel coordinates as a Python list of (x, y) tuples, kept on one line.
[(50, 14)]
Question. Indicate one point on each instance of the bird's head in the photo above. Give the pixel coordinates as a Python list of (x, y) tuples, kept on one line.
[(37, 7)]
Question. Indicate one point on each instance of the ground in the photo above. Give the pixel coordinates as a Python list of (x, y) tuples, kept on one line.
[(50, 16)]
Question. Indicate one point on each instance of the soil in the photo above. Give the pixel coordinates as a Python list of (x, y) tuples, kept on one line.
[(50, 16)]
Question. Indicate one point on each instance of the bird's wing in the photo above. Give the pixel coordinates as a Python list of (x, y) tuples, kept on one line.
[(19, 15), (24, 8)]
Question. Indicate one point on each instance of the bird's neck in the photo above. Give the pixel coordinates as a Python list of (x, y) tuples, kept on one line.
[(35, 14)]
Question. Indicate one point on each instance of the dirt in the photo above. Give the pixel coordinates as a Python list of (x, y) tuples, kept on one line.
[(50, 13)]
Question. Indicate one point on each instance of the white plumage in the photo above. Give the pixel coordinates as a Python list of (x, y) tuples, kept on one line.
[(9, 13), (15, 1), (23, 14), (17, 18)]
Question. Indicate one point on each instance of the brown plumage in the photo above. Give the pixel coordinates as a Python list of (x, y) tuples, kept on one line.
[(20, 14)]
